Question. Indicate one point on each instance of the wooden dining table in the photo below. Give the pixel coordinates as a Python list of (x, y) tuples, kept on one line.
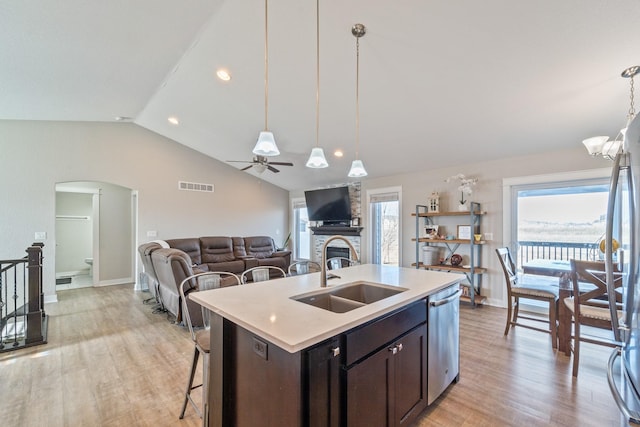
[(556, 268)]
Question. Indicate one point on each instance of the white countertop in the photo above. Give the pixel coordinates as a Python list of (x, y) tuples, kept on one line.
[(266, 309)]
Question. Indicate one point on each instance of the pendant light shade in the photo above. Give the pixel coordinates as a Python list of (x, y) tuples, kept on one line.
[(266, 145), (317, 159), (357, 167)]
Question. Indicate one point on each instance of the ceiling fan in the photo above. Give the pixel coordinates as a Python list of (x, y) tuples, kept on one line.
[(261, 164)]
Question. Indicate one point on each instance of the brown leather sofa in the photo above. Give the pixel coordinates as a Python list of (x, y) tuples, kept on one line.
[(189, 256)]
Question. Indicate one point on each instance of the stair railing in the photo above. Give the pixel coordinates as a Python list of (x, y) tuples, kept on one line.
[(23, 321)]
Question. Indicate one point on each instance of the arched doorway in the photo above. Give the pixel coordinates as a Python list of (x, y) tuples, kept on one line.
[(95, 234)]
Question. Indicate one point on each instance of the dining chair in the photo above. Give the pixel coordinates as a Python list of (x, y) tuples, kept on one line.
[(303, 267), (340, 262), (589, 305), (261, 273), (200, 335), (527, 287)]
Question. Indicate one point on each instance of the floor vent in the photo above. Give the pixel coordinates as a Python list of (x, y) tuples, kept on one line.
[(194, 186)]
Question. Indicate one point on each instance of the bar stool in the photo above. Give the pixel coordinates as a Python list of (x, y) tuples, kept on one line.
[(201, 337)]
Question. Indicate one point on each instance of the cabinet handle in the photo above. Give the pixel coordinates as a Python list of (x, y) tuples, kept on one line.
[(399, 347), (393, 350), (335, 351)]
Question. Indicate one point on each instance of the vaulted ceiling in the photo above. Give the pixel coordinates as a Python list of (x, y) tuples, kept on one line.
[(442, 82)]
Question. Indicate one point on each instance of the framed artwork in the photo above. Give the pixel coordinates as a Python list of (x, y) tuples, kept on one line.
[(431, 231), (464, 232)]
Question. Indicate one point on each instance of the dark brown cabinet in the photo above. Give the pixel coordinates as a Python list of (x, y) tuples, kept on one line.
[(323, 384), (372, 375), (388, 388)]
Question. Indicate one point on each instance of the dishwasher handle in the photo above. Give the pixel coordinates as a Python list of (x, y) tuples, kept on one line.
[(446, 300)]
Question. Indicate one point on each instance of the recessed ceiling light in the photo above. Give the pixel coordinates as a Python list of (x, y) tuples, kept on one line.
[(223, 75), (338, 153), (173, 120), (123, 118)]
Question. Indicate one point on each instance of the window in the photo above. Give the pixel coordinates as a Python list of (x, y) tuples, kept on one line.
[(301, 231), (385, 226), (557, 216)]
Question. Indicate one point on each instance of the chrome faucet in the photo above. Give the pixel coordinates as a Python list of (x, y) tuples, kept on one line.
[(323, 265)]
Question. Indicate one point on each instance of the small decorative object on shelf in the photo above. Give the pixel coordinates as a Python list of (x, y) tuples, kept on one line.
[(464, 232), (464, 188), (456, 260), (434, 203), (431, 231)]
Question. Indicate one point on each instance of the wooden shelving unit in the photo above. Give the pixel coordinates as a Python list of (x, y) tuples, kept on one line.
[(473, 271)]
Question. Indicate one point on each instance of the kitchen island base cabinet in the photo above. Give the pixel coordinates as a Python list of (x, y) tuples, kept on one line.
[(374, 374), (389, 387)]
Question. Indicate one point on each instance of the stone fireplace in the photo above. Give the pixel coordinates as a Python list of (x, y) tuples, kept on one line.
[(339, 247)]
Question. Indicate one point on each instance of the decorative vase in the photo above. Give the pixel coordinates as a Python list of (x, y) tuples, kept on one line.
[(462, 206)]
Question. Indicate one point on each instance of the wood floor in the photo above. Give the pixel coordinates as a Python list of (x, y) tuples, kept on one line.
[(110, 361)]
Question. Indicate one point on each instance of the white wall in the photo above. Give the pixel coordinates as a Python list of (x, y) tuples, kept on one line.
[(36, 155), (416, 187)]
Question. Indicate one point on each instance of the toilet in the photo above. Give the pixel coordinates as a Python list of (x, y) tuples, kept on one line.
[(90, 262)]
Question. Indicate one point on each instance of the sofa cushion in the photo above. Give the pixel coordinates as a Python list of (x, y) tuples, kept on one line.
[(259, 246), (216, 249), (191, 246), (238, 247)]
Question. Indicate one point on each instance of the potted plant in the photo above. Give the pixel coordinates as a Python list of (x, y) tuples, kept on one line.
[(283, 247), (464, 188)]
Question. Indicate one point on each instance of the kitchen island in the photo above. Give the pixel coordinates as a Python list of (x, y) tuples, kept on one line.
[(277, 361)]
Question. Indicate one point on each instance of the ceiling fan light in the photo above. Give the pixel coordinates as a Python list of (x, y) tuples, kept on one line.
[(260, 167), (317, 159), (357, 169), (266, 145), (594, 144)]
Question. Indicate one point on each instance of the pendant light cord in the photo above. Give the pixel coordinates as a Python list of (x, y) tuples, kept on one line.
[(266, 65), (357, 97), (317, 73)]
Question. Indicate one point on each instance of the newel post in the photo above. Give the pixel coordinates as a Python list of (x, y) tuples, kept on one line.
[(36, 313)]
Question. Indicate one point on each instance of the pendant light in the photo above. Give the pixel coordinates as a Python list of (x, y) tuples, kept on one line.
[(357, 167), (601, 145), (266, 145), (317, 159)]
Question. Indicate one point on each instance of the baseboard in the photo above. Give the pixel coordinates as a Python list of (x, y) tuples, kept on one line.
[(111, 282), (50, 298)]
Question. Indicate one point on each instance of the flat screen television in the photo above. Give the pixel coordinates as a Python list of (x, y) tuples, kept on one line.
[(332, 206)]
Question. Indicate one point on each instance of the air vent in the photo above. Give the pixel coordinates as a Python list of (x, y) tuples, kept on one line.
[(195, 186)]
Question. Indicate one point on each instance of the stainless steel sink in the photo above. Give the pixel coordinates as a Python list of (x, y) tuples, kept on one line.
[(330, 302), (343, 298), (366, 292)]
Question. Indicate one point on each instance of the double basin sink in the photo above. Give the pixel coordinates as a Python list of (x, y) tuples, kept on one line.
[(350, 296)]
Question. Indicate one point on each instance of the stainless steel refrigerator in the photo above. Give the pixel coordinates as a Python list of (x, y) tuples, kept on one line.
[(623, 225)]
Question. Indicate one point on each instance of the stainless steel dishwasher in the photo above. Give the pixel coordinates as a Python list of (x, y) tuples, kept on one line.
[(443, 342)]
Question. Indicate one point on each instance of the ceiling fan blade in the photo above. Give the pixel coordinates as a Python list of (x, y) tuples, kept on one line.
[(281, 163), (247, 167), (239, 161), (272, 169)]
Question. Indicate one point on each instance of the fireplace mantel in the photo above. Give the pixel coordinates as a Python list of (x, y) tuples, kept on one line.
[(331, 231)]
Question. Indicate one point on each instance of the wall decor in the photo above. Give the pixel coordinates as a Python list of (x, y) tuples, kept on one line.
[(464, 232)]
